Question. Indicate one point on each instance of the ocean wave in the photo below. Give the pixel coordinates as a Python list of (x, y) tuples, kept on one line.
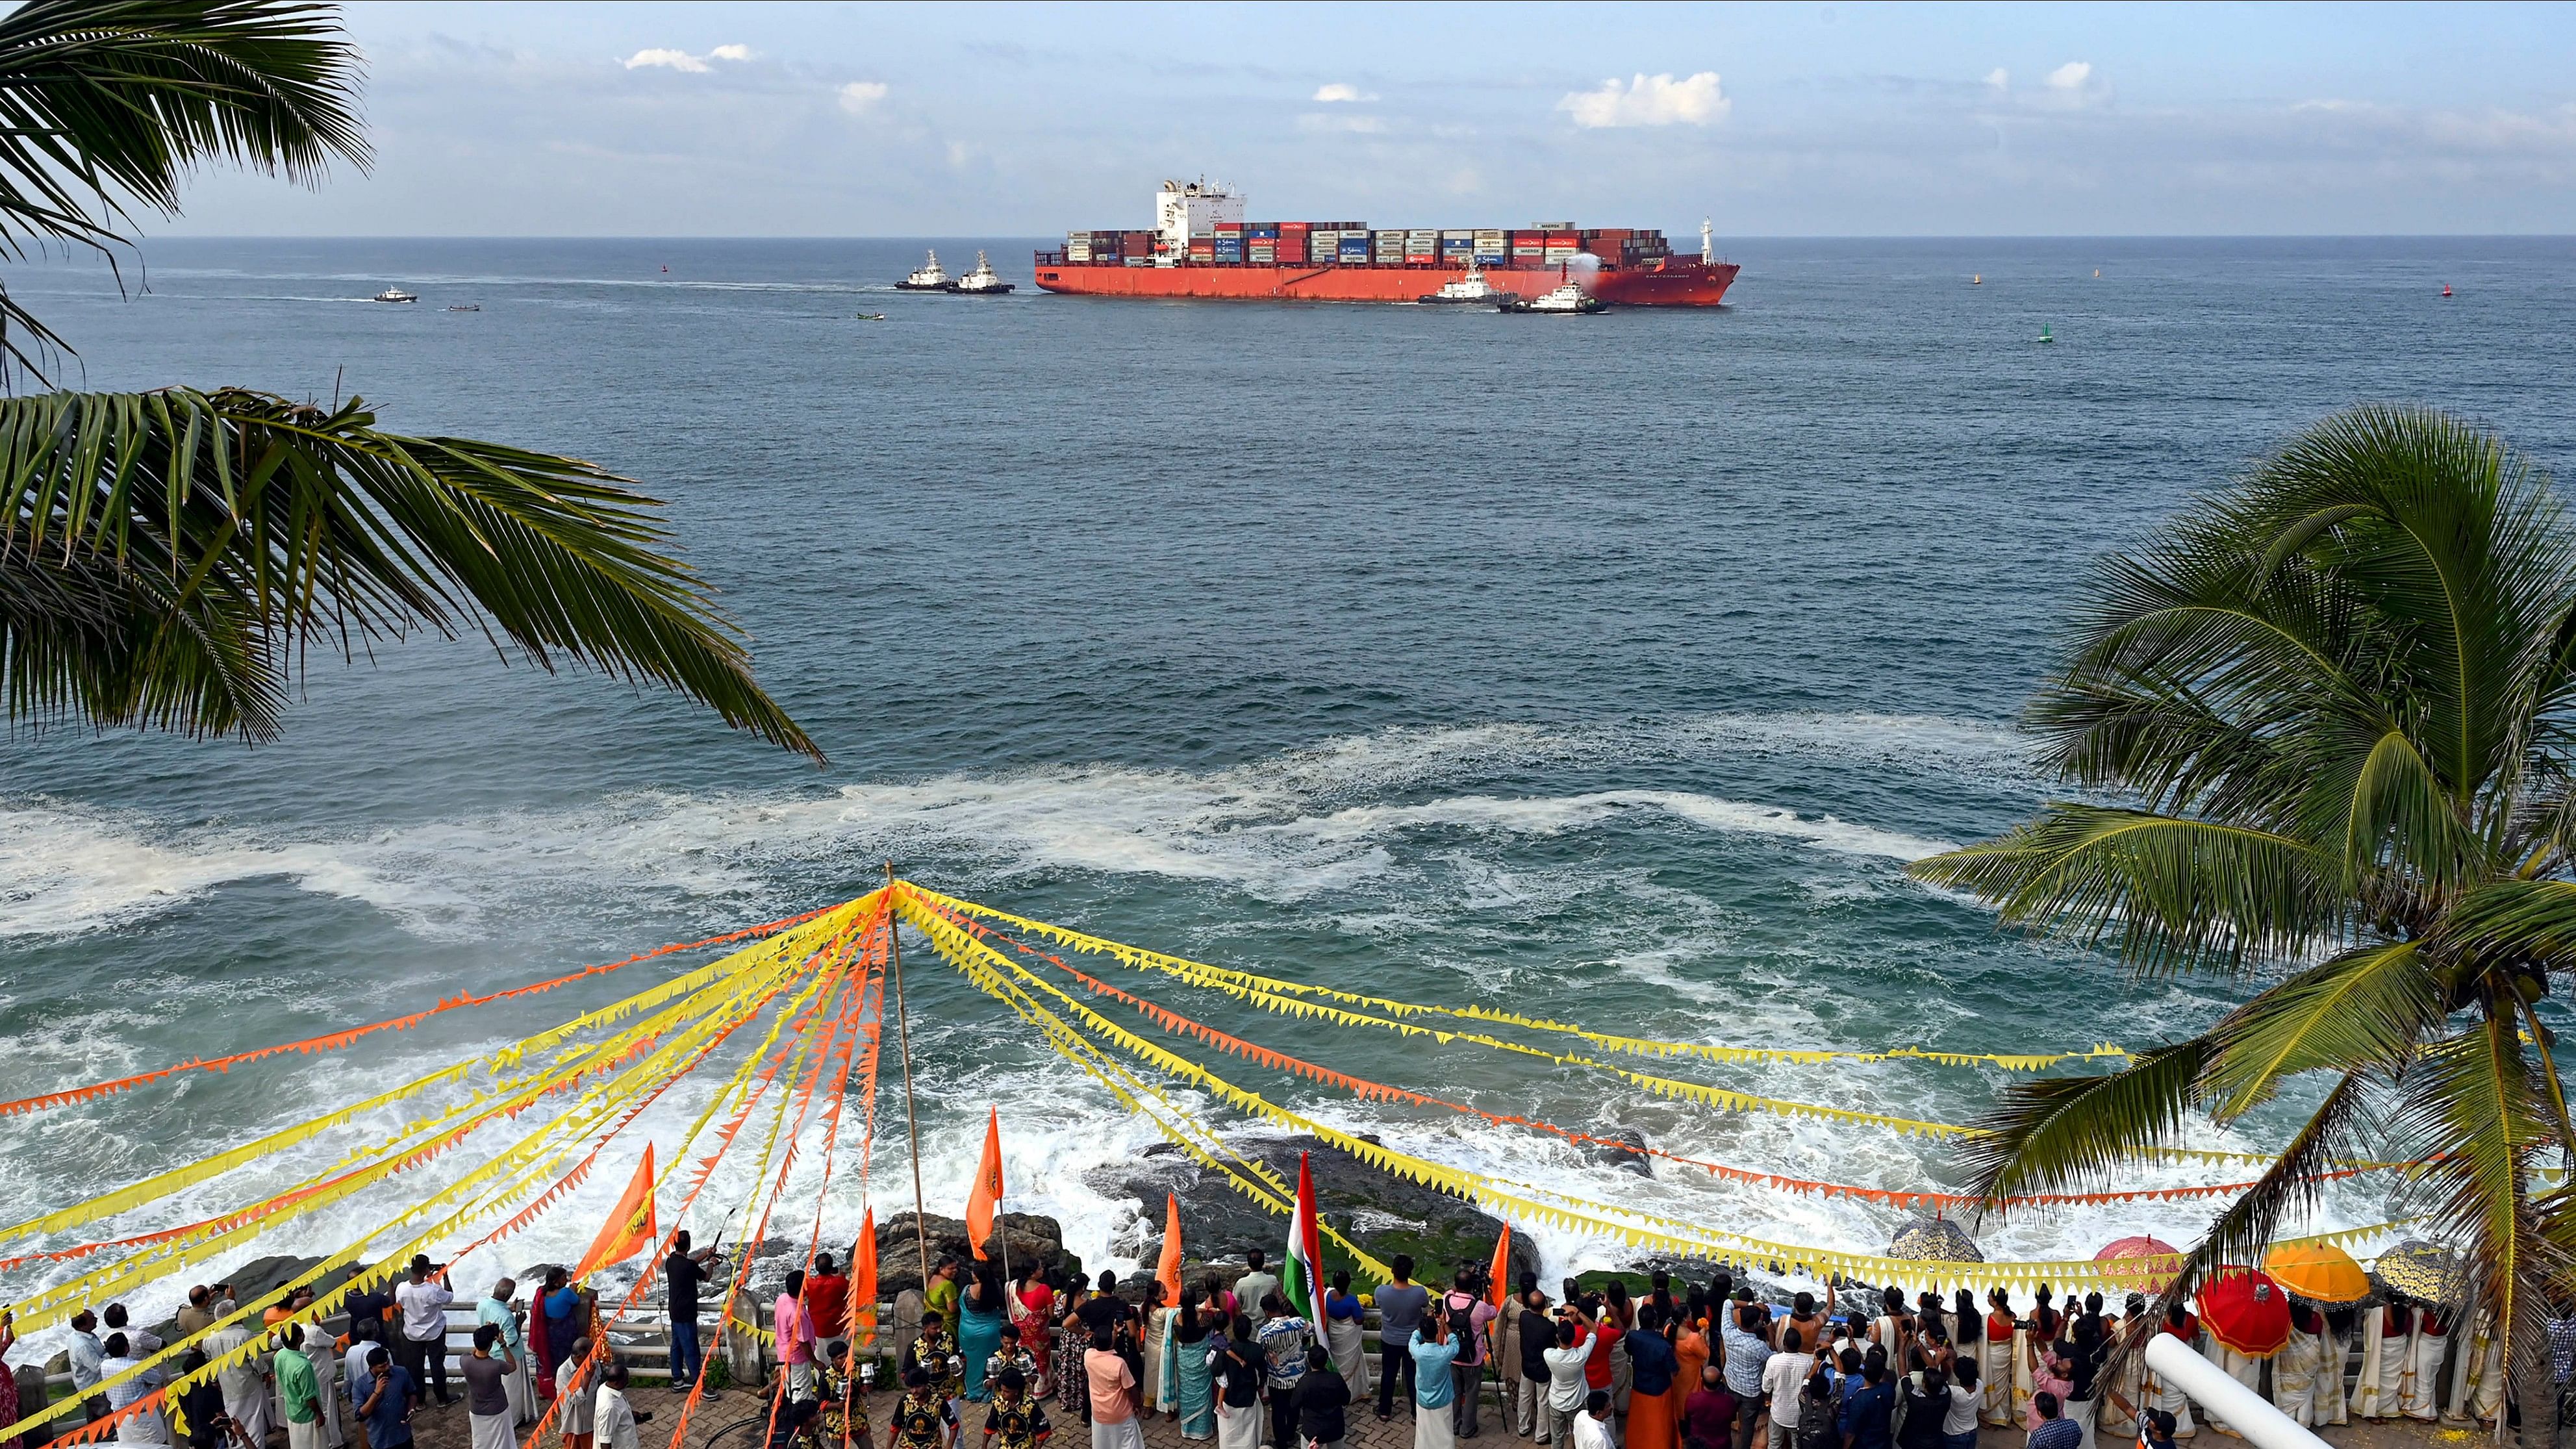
[(1288, 827)]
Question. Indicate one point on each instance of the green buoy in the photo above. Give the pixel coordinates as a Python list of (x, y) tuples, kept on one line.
[(2044, 334)]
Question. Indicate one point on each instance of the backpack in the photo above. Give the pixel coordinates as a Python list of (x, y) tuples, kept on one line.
[(1816, 1427), (1471, 1345)]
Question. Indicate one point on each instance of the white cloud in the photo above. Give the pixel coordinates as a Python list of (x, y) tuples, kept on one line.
[(858, 96), (681, 60), (1339, 91), (1999, 78), (1650, 100), (673, 59), (2071, 76), (1363, 125)]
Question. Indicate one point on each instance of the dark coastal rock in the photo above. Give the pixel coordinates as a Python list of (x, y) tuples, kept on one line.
[(1032, 1238), (1623, 1148), (1381, 1212)]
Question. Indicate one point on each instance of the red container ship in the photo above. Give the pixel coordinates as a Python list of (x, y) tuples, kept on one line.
[(1201, 246)]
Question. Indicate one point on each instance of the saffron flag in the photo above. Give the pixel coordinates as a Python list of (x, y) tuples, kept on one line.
[(987, 1197), (1301, 1277), (861, 1329), (630, 1228), (1168, 1271), (1502, 1269)]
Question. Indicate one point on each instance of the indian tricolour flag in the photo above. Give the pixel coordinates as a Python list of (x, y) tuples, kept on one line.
[(1301, 1277)]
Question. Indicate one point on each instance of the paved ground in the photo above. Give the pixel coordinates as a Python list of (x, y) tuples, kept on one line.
[(734, 1421)]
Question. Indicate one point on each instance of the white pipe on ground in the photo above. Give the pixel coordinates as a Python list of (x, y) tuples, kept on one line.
[(2210, 1386)]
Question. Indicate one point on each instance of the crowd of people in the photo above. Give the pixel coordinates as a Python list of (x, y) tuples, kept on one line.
[(982, 1362)]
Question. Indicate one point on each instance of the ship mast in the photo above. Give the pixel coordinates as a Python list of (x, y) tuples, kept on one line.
[(1707, 248)]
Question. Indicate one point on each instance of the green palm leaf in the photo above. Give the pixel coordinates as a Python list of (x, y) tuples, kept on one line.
[(108, 103), (166, 557), (2357, 1014), (2176, 893), (2072, 1134)]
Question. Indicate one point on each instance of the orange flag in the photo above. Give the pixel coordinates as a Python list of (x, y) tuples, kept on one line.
[(987, 1196), (1501, 1272), (862, 1328), (1168, 1271), (630, 1229)]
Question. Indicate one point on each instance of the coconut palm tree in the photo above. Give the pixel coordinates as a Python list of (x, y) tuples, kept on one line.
[(167, 558), (2341, 697)]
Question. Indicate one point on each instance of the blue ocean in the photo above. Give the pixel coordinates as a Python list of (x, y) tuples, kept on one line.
[(1606, 668)]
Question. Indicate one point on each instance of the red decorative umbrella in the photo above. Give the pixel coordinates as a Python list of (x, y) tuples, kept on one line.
[(2144, 1279), (2245, 1310)]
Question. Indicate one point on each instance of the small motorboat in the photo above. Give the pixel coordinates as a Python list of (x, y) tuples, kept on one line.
[(871, 317), (395, 294), (981, 282), (930, 278), (1470, 289), (459, 306), (1568, 299)]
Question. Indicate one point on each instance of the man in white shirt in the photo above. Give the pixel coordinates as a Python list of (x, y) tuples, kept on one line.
[(1592, 1426), (424, 1297), (1782, 1377), (615, 1420), (244, 1381), (1253, 1287), (144, 1427), (1565, 1386)]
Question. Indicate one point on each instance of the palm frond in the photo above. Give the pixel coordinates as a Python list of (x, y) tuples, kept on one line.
[(2362, 1013), (106, 104), (2069, 1134), (2176, 893), (2514, 920), (133, 524)]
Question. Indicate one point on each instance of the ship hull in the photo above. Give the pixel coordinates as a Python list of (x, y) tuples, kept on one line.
[(1675, 283)]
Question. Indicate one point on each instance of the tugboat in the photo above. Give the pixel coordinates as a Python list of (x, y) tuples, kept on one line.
[(395, 294), (1471, 288), (1568, 299), (931, 278), (981, 282)]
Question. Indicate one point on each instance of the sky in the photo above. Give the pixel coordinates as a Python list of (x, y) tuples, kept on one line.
[(1789, 120)]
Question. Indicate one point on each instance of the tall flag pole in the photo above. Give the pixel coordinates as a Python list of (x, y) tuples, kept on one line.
[(911, 1124), (1502, 1268), (1303, 1282)]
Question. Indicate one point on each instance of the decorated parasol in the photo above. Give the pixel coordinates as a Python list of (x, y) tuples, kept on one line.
[(2245, 1310), (2145, 1278), (1934, 1240), (2318, 1273), (2425, 1272)]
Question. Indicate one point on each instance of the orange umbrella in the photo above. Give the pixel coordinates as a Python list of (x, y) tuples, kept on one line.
[(2318, 1272), (2149, 1279), (2245, 1310)]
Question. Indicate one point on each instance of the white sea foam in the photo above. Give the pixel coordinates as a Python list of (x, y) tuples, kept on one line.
[(1293, 826)]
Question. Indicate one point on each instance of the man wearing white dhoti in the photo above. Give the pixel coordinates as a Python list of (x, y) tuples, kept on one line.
[(244, 1380), (520, 1383)]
